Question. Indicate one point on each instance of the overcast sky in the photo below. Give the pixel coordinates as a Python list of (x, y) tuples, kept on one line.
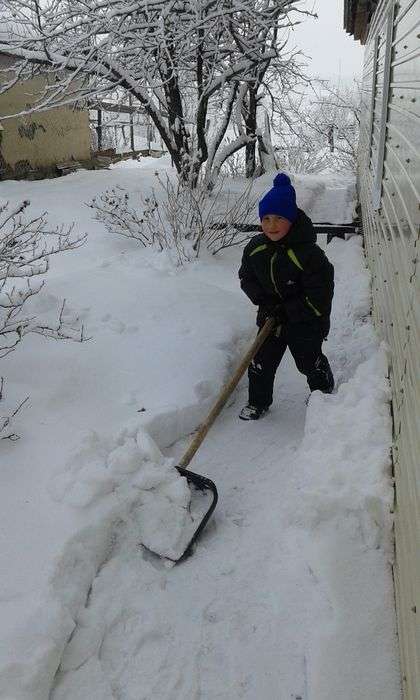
[(332, 51)]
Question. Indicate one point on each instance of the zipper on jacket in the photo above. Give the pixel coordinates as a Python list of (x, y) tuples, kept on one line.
[(272, 261), (311, 306)]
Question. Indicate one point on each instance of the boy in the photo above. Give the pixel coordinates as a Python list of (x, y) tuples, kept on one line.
[(289, 278)]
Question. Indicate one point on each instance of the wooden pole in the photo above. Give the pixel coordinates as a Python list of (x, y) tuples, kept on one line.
[(130, 103), (226, 392), (99, 129), (149, 134)]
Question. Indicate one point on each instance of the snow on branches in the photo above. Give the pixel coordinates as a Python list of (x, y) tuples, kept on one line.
[(321, 130), (181, 219), (185, 62), (6, 421), (26, 245)]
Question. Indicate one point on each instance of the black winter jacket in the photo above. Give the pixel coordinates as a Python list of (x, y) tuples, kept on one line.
[(293, 272)]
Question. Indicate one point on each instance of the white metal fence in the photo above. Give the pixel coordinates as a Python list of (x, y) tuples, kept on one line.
[(122, 127)]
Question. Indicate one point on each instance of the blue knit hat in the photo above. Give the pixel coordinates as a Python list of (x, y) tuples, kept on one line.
[(280, 200)]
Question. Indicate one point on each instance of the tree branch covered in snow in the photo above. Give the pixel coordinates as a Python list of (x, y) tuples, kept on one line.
[(180, 219), (336, 112), (26, 245), (322, 131), (281, 68), (6, 421), (181, 60)]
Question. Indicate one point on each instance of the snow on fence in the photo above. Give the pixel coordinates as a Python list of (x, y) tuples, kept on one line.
[(389, 186), (124, 127), (331, 230)]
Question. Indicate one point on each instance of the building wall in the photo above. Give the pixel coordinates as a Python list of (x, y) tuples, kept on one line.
[(41, 139), (389, 187)]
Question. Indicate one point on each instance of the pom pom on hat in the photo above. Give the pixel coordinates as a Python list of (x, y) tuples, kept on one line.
[(280, 200), (282, 180)]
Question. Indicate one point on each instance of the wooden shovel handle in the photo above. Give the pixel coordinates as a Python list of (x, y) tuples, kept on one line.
[(226, 392)]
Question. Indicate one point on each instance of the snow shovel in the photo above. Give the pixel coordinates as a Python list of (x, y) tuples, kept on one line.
[(201, 482)]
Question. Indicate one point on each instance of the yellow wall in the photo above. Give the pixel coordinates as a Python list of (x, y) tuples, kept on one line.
[(42, 138)]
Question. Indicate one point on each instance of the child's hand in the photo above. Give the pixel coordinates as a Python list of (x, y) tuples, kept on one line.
[(266, 311)]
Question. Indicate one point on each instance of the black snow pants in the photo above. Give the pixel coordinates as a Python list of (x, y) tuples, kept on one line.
[(304, 341)]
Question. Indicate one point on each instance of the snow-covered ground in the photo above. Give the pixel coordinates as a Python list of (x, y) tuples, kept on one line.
[(289, 592)]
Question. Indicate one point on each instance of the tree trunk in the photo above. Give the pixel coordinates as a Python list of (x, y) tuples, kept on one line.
[(250, 117), (268, 161)]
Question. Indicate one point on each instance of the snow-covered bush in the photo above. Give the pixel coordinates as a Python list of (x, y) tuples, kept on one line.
[(180, 219), (306, 157), (6, 421), (25, 247)]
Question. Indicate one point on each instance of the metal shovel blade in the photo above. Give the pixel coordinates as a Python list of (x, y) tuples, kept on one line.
[(198, 483), (201, 483)]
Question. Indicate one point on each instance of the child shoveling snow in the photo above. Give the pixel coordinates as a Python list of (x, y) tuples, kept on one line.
[(290, 279)]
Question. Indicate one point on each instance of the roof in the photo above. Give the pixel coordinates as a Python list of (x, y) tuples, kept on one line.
[(357, 15)]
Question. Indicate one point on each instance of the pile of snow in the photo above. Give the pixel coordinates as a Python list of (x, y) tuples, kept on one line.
[(88, 483), (345, 512), (135, 473)]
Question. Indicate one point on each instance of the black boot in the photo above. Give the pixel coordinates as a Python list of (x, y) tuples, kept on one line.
[(321, 377), (252, 412)]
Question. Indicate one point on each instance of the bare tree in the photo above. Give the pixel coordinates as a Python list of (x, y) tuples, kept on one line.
[(320, 130), (26, 245), (335, 115), (283, 71), (176, 58)]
